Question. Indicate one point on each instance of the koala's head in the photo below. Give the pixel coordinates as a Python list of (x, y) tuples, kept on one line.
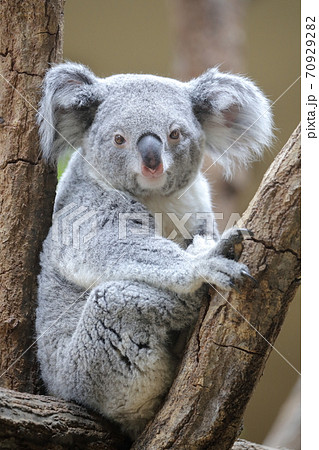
[(144, 133)]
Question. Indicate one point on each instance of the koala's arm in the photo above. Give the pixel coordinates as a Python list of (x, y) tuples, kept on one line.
[(156, 261)]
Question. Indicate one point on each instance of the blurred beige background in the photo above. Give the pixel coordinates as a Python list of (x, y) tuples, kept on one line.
[(113, 36)]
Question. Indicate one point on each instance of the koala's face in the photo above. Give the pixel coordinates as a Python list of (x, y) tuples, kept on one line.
[(145, 136)]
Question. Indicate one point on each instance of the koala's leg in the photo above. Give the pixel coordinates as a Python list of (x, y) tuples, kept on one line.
[(117, 360)]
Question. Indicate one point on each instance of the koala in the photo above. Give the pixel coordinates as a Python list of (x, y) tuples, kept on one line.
[(113, 306)]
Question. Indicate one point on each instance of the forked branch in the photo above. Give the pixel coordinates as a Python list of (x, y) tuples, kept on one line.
[(226, 353)]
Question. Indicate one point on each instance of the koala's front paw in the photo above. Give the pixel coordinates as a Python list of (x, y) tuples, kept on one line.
[(225, 273), (201, 245), (230, 243)]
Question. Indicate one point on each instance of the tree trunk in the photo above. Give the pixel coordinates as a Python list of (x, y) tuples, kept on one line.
[(226, 353), (233, 336), (30, 39)]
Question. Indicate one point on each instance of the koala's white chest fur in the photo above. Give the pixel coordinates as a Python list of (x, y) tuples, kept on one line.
[(177, 216)]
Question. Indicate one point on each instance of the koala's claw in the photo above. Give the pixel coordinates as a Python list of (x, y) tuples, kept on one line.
[(247, 274), (224, 273), (233, 286), (245, 232)]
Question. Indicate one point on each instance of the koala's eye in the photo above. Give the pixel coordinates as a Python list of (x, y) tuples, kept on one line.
[(119, 139), (175, 134)]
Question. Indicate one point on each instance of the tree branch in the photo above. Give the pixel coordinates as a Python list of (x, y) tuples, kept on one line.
[(38, 421), (34, 422), (30, 39)]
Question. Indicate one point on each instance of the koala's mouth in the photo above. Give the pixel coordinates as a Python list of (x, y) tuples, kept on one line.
[(150, 173), (151, 178)]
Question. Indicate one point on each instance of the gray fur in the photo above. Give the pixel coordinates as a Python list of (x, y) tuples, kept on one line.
[(109, 309), (235, 116)]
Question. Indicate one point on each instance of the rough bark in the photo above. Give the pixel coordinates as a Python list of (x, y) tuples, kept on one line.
[(230, 344), (34, 422), (37, 421), (226, 353), (30, 39)]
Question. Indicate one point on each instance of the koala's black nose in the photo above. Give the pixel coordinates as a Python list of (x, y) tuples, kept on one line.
[(150, 146)]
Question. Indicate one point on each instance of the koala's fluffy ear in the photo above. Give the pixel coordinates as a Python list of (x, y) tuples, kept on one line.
[(67, 108), (234, 115)]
